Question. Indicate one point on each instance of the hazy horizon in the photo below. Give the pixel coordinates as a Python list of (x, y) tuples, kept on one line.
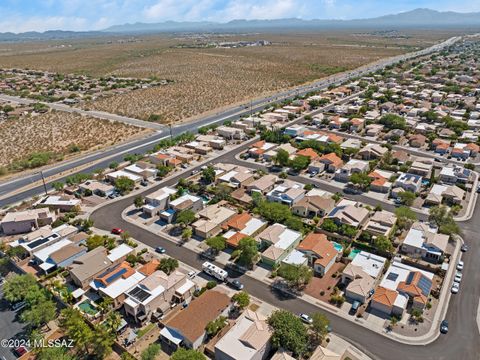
[(77, 15)]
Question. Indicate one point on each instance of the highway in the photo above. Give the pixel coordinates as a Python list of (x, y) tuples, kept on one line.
[(103, 158), (461, 343)]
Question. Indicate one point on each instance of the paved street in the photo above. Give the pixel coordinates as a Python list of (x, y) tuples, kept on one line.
[(9, 327), (461, 343), (103, 158)]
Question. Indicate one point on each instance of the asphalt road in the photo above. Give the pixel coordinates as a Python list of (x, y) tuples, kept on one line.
[(461, 343), (10, 326), (117, 153)]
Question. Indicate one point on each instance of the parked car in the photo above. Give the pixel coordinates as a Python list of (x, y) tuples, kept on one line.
[(455, 288), (464, 248), (306, 319), (235, 284), (460, 265), (144, 183), (20, 351), (354, 308), (18, 305), (313, 174), (444, 327), (458, 277), (160, 250), (192, 274), (117, 231)]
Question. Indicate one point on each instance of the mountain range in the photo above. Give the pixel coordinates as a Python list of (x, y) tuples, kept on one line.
[(418, 18)]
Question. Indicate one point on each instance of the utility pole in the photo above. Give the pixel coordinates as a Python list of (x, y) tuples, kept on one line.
[(44, 185), (170, 127)]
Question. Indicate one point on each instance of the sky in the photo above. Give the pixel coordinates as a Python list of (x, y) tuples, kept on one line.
[(41, 15)]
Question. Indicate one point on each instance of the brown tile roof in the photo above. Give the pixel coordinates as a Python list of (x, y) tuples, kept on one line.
[(191, 321), (385, 296), (331, 158), (319, 244), (128, 272), (149, 268), (234, 240), (308, 152), (237, 222)]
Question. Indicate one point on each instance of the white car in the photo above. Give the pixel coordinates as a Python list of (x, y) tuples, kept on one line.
[(192, 274), (306, 319), (460, 265), (458, 277), (455, 288)]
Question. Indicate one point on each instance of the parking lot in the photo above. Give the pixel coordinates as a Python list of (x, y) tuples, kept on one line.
[(10, 326)]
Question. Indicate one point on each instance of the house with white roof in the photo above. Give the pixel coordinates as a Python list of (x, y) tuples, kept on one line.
[(287, 193), (43, 254), (62, 203), (157, 201), (424, 241), (409, 182), (120, 252), (279, 241), (454, 174), (248, 339), (113, 176), (351, 167)]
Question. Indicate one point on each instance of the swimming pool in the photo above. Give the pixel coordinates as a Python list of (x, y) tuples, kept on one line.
[(87, 307), (337, 246), (353, 253)]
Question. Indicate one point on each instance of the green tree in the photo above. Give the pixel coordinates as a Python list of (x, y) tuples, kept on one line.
[(163, 170), (407, 197), (39, 313), (320, 325), (17, 287), (217, 243), (214, 326), (405, 216), (329, 225), (75, 328), (96, 240), (113, 165), (248, 251), (443, 218), (102, 342), (138, 201), (58, 185), (124, 185), (392, 121), (288, 332), (361, 179), (168, 265), (296, 276), (282, 157), (184, 354), (186, 234), (113, 321), (185, 217), (299, 163), (151, 352), (208, 175), (382, 243), (241, 299), (54, 353)]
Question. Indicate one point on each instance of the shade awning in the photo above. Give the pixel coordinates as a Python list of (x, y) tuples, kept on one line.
[(171, 335)]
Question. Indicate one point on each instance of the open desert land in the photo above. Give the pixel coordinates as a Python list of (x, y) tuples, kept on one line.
[(206, 79), (32, 141)]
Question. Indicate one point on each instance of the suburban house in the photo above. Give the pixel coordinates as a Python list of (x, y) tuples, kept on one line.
[(351, 143), (417, 140), (320, 252), (262, 185), (59, 255), (351, 167), (240, 226), (187, 327), (211, 219), (349, 212), (372, 151), (157, 201), (381, 223), (96, 187), (142, 169), (425, 242), (310, 153), (258, 149), (451, 194), (288, 193), (409, 182), (183, 203), (313, 205), (62, 203), (85, 268), (237, 177), (361, 274), (400, 285), (279, 241), (455, 174), (373, 130), (25, 221), (421, 167), (331, 161), (248, 339), (155, 294), (230, 133), (380, 180), (294, 130)]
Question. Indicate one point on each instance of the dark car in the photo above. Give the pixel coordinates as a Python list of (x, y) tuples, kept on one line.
[(235, 284), (464, 248), (444, 327), (160, 250), (354, 308), (20, 351)]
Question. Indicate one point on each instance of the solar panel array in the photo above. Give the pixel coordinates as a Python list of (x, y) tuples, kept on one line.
[(139, 294)]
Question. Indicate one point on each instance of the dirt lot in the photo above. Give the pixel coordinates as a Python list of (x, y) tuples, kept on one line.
[(60, 133), (209, 78)]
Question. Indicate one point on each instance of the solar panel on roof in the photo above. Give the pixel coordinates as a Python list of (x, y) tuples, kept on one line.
[(425, 284), (392, 276), (116, 275), (139, 294), (410, 277), (41, 241)]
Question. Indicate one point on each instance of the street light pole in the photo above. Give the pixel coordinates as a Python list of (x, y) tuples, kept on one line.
[(44, 185)]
